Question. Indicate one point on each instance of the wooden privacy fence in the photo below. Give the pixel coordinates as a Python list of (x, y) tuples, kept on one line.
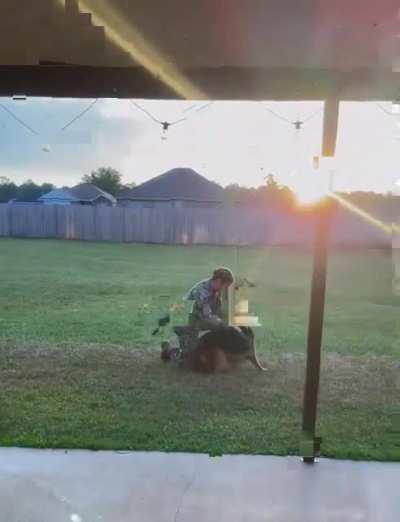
[(227, 226)]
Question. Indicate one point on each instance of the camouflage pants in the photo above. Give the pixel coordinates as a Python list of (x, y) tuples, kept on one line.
[(189, 335)]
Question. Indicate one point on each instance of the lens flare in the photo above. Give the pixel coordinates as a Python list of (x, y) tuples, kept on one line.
[(131, 40), (385, 227), (310, 195)]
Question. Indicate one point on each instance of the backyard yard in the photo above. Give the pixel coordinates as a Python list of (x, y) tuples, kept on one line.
[(80, 368)]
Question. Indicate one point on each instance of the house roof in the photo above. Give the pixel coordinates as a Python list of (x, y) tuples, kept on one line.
[(81, 192), (89, 192), (176, 184), (63, 194)]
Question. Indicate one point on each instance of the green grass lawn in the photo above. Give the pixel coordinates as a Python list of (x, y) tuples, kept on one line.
[(79, 367)]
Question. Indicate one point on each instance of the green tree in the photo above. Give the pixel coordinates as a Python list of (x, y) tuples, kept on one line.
[(105, 178), (271, 194), (275, 195), (128, 186), (271, 183), (30, 191), (8, 190)]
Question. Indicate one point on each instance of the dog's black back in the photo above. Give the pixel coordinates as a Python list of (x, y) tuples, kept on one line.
[(229, 339)]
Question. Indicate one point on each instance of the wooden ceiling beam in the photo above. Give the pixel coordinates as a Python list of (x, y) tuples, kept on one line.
[(224, 83)]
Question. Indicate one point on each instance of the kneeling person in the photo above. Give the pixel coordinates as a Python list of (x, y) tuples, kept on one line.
[(207, 313)]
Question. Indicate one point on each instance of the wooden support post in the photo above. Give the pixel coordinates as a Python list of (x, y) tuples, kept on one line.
[(228, 306), (331, 118), (310, 444)]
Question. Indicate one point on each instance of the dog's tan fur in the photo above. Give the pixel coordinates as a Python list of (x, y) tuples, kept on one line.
[(214, 359)]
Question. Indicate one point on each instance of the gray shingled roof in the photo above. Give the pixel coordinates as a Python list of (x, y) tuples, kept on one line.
[(178, 184), (89, 192), (58, 194)]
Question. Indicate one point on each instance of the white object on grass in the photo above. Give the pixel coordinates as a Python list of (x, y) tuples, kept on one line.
[(246, 320), (242, 307)]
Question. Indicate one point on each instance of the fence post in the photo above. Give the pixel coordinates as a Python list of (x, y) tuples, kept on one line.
[(9, 218), (55, 220), (94, 207), (124, 225)]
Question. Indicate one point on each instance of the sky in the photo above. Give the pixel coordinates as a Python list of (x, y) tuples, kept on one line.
[(227, 142)]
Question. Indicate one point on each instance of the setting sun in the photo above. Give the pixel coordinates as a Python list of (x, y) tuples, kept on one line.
[(305, 196), (310, 188)]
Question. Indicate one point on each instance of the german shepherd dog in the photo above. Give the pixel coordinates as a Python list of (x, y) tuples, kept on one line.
[(223, 349)]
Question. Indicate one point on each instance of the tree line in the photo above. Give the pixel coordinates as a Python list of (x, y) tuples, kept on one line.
[(269, 195), (280, 197), (105, 178)]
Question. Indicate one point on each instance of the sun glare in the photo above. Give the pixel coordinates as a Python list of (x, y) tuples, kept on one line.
[(308, 195)]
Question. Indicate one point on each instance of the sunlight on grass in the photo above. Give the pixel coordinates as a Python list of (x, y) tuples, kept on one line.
[(79, 367)]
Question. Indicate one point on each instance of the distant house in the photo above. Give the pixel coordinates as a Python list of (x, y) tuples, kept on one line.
[(83, 194), (15, 203), (177, 188)]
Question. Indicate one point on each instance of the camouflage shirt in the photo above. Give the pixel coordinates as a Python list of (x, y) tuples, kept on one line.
[(207, 303)]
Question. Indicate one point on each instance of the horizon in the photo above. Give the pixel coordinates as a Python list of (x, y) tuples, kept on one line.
[(81, 182)]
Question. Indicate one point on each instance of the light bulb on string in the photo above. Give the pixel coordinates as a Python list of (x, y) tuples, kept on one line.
[(297, 123), (315, 162), (165, 125), (297, 142)]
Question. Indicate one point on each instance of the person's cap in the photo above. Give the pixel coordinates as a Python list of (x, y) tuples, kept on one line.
[(224, 274)]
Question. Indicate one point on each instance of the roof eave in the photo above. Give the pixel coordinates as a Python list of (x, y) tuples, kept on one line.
[(130, 198), (97, 197)]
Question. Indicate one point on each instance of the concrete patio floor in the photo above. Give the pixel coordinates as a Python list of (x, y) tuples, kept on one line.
[(83, 486)]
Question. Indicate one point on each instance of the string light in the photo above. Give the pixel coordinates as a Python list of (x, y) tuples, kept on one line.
[(79, 115), (298, 124), (19, 120), (315, 162), (45, 148), (394, 110), (165, 125)]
